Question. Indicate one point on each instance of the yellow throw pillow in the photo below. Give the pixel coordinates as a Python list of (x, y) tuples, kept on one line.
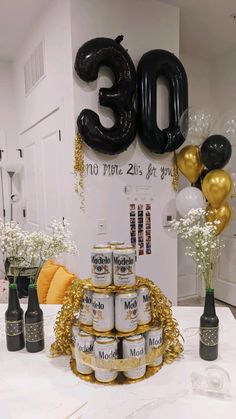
[(61, 280), (44, 280)]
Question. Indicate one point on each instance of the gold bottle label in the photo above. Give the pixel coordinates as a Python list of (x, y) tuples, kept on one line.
[(209, 335), (14, 328), (34, 332)]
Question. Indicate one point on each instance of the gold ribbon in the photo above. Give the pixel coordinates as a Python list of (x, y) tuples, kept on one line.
[(124, 364), (175, 180), (79, 169)]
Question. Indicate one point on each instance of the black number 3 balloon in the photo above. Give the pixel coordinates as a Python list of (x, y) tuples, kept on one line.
[(90, 57), (152, 65)]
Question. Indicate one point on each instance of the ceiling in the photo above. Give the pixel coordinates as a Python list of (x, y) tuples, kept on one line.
[(206, 29), (16, 19)]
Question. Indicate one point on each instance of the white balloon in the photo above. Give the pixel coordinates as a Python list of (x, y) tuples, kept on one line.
[(197, 123), (227, 126), (189, 198)]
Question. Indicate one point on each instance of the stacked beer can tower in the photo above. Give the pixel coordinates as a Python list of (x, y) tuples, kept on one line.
[(115, 320)]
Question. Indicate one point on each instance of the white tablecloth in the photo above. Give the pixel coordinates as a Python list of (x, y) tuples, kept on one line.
[(34, 386)]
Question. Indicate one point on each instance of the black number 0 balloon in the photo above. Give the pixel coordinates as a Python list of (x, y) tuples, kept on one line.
[(152, 65), (90, 57)]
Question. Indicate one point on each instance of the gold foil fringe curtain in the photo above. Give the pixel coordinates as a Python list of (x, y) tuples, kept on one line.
[(79, 169), (175, 180), (161, 314)]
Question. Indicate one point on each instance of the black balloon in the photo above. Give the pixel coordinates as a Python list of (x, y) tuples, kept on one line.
[(152, 65), (216, 152), (90, 57), (198, 184)]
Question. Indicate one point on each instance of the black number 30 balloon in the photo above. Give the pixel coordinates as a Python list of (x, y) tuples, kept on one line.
[(90, 57), (152, 65)]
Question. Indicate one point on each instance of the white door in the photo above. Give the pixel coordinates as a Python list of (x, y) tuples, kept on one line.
[(43, 173), (225, 283)]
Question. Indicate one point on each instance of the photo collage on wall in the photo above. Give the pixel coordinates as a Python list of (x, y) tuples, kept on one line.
[(140, 228)]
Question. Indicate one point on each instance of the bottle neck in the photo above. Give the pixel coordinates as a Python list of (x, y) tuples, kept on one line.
[(13, 300), (33, 302), (209, 308)]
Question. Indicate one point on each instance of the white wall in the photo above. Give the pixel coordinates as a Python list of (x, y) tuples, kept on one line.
[(199, 79), (145, 26)]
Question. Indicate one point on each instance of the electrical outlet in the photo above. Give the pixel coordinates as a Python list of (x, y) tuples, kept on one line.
[(101, 226)]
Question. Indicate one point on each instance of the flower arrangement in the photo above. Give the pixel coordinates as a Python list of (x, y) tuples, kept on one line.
[(204, 245), (21, 249)]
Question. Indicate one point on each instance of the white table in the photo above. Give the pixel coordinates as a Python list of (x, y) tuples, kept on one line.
[(34, 386)]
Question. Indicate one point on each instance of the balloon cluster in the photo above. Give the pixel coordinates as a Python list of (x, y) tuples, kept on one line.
[(203, 167)]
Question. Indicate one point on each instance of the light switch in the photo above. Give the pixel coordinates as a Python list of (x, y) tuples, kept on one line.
[(101, 226)]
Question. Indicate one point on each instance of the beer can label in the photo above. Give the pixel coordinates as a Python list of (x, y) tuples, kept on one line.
[(105, 351), (101, 268), (83, 344), (144, 306), (124, 268), (86, 310), (134, 349), (154, 339), (126, 312), (103, 312)]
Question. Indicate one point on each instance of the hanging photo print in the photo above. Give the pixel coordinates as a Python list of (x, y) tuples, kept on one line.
[(140, 228)]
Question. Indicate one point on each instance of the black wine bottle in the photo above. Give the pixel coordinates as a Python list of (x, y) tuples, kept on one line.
[(209, 329), (34, 333), (14, 321)]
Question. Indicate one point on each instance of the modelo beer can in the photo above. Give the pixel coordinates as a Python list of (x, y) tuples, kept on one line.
[(86, 310), (154, 339), (84, 343), (114, 244), (101, 259), (103, 312), (126, 311), (124, 266), (144, 306), (105, 349), (134, 347)]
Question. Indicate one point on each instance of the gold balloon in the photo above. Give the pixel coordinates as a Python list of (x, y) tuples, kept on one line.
[(216, 186), (189, 162), (223, 214)]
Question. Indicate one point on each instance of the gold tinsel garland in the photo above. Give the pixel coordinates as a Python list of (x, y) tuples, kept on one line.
[(65, 319), (161, 314), (79, 169), (175, 180)]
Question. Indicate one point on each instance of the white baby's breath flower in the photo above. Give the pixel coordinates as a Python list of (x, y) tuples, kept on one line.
[(204, 245), (24, 249)]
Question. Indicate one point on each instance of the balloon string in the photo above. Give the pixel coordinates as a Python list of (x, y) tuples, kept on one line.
[(175, 180), (79, 169)]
